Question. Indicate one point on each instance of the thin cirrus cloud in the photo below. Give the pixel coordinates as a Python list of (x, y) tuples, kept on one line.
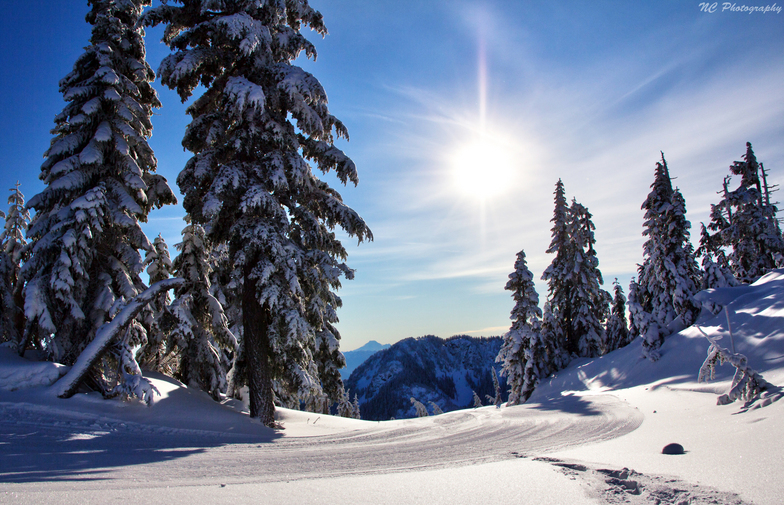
[(598, 123), (589, 92)]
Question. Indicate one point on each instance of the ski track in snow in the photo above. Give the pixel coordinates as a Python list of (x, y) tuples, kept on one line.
[(98, 453)]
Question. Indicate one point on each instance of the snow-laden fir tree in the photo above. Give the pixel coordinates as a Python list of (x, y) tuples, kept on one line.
[(14, 245), (355, 405), (258, 124), (476, 401), (716, 271), (590, 304), (421, 410), (577, 306), (436, 409), (346, 408), (552, 340), (201, 329), (745, 221), (85, 237), (523, 354), (617, 329), (559, 314), (12, 239), (496, 399), (159, 268), (669, 276)]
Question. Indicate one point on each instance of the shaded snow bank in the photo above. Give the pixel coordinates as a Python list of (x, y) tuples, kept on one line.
[(19, 373), (757, 319)]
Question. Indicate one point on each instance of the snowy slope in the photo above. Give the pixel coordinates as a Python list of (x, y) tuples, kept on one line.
[(592, 434)]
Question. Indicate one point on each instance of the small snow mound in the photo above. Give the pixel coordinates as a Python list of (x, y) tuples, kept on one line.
[(18, 373)]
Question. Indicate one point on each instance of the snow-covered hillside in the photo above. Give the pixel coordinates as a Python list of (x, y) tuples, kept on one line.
[(430, 369), (592, 434)]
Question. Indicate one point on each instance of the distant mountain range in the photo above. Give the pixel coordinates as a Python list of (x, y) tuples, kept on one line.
[(358, 356), (444, 371)]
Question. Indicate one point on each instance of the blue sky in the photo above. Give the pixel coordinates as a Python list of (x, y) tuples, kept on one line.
[(586, 91)]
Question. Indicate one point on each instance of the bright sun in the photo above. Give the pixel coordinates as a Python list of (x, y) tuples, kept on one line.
[(483, 169)]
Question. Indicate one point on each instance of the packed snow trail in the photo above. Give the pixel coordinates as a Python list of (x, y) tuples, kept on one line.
[(83, 452)]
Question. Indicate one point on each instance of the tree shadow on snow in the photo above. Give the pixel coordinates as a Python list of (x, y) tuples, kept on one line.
[(73, 452), (568, 404)]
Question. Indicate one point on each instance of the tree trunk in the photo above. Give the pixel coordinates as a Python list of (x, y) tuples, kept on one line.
[(19, 318), (255, 322)]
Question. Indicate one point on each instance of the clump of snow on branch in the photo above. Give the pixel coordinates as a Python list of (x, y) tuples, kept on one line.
[(746, 384)]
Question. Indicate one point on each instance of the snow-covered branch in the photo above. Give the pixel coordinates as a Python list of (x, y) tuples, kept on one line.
[(746, 384), (106, 334)]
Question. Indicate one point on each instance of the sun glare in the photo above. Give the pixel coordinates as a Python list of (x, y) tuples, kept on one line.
[(483, 169)]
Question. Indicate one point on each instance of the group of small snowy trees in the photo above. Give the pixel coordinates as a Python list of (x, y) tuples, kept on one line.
[(577, 319), (745, 223), (661, 300), (259, 262), (582, 320)]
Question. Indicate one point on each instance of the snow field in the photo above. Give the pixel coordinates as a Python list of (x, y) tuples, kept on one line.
[(591, 434)]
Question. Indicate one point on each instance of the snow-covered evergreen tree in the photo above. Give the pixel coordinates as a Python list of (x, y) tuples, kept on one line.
[(329, 360), (12, 239), (590, 304), (745, 221), (617, 328), (254, 130), (557, 275), (552, 339), (421, 410), (669, 276), (355, 405), (159, 268), (477, 402), (578, 307), (14, 246), (523, 353), (497, 399), (436, 409), (636, 313), (345, 407), (716, 271), (100, 183), (201, 330)]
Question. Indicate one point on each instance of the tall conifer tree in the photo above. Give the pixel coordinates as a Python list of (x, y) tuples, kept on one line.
[(14, 247), (669, 276), (617, 325), (201, 331), (523, 354), (250, 183), (576, 307), (559, 316), (100, 183), (590, 304)]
